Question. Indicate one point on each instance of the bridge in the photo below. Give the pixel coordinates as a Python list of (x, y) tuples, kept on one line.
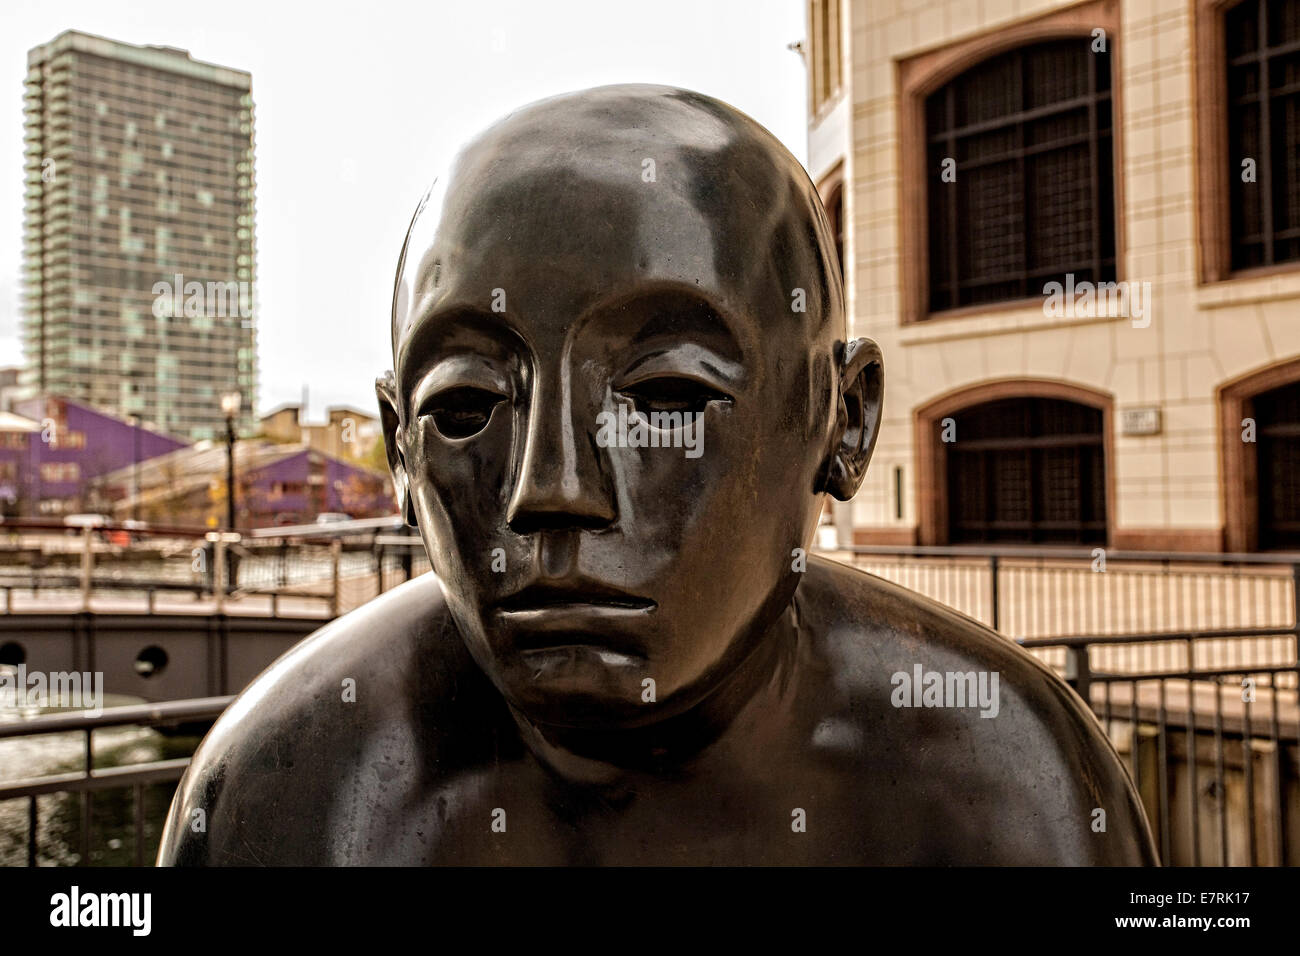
[(180, 613)]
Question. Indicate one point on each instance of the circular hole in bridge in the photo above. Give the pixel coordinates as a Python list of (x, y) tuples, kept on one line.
[(151, 661), (12, 653)]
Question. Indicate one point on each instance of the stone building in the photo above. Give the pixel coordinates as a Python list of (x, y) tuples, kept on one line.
[(52, 449), (277, 483), (1074, 230), (348, 433)]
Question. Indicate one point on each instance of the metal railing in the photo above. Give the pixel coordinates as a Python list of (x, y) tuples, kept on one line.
[(1197, 746), (88, 780), (1190, 662), (335, 567), (330, 568), (1036, 592)]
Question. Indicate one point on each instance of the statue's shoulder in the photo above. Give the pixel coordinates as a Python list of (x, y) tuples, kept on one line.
[(879, 629), (886, 625), (945, 698), (331, 713)]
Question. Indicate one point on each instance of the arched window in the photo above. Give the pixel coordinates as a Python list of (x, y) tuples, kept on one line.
[(1263, 71), (1260, 447), (1025, 470), (835, 213), (1277, 418), (1021, 175)]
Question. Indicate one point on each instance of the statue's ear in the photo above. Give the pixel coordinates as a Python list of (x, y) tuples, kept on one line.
[(857, 420), (386, 391)]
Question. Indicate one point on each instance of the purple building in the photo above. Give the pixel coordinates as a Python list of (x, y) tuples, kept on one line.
[(306, 483), (51, 449), (276, 483)]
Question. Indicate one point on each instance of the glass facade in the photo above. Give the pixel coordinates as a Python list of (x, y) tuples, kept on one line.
[(139, 183)]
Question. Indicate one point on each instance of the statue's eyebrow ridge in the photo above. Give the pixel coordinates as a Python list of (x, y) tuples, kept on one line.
[(673, 312), (443, 321)]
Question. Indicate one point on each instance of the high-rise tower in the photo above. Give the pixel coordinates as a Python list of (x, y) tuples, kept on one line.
[(139, 243)]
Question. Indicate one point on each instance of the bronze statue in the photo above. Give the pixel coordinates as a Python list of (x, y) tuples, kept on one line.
[(621, 387)]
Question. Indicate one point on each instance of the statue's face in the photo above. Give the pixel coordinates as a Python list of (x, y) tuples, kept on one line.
[(563, 290)]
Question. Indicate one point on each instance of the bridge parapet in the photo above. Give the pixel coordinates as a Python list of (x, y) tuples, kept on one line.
[(340, 565)]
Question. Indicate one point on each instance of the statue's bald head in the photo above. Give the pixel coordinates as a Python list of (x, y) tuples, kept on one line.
[(604, 279), (624, 183)]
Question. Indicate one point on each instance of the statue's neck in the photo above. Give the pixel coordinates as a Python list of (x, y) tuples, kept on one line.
[(731, 722)]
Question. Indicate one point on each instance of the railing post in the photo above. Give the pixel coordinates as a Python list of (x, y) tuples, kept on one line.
[(1078, 672), (87, 562), (993, 588), (137, 804), (219, 571), (86, 818), (210, 568), (336, 550), (1295, 602), (31, 830)]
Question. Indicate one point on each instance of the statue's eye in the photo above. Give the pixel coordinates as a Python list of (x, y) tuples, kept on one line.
[(672, 394), (462, 412)]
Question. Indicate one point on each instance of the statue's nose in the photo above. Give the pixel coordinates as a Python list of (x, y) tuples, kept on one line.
[(562, 479)]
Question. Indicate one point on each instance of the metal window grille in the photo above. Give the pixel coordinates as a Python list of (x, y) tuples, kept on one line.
[(1027, 470), (1277, 417), (1263, 51), (1033, 197)]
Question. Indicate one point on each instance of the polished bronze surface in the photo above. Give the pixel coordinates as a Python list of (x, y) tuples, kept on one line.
[(621, 389)]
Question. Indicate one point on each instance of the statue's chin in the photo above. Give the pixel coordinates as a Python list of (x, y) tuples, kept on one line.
[(604, 669), (578, 685)]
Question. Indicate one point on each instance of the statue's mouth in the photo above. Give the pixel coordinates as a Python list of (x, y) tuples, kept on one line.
[(565, 628), (537, 599)]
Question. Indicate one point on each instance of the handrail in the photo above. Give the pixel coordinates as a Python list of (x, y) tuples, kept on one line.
[(148, 715), (1154, 637), (141, 530), (88, 780), (330, 529), (110, 778), (1012, 551)]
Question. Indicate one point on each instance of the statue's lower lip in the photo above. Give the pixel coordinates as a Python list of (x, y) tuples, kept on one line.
[(540, 612), (569, 652), (595, 628)]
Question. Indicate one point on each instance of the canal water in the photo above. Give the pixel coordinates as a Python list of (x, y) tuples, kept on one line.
[(112, 828), (59, 815)]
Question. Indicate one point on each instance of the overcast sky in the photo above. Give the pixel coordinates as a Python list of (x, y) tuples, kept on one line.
[(359, 106)]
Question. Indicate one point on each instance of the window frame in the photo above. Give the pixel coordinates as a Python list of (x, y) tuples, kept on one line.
[(1214, 213), (951, 138), (831, 189), (824, 51), (920, 75), (930, 485), (975, 472), (1239, 460)]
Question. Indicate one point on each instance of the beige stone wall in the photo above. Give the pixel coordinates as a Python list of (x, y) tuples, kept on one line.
[(1199, 336), (349, 435)]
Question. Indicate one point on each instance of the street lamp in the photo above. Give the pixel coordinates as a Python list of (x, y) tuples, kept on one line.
[(230, 408)]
